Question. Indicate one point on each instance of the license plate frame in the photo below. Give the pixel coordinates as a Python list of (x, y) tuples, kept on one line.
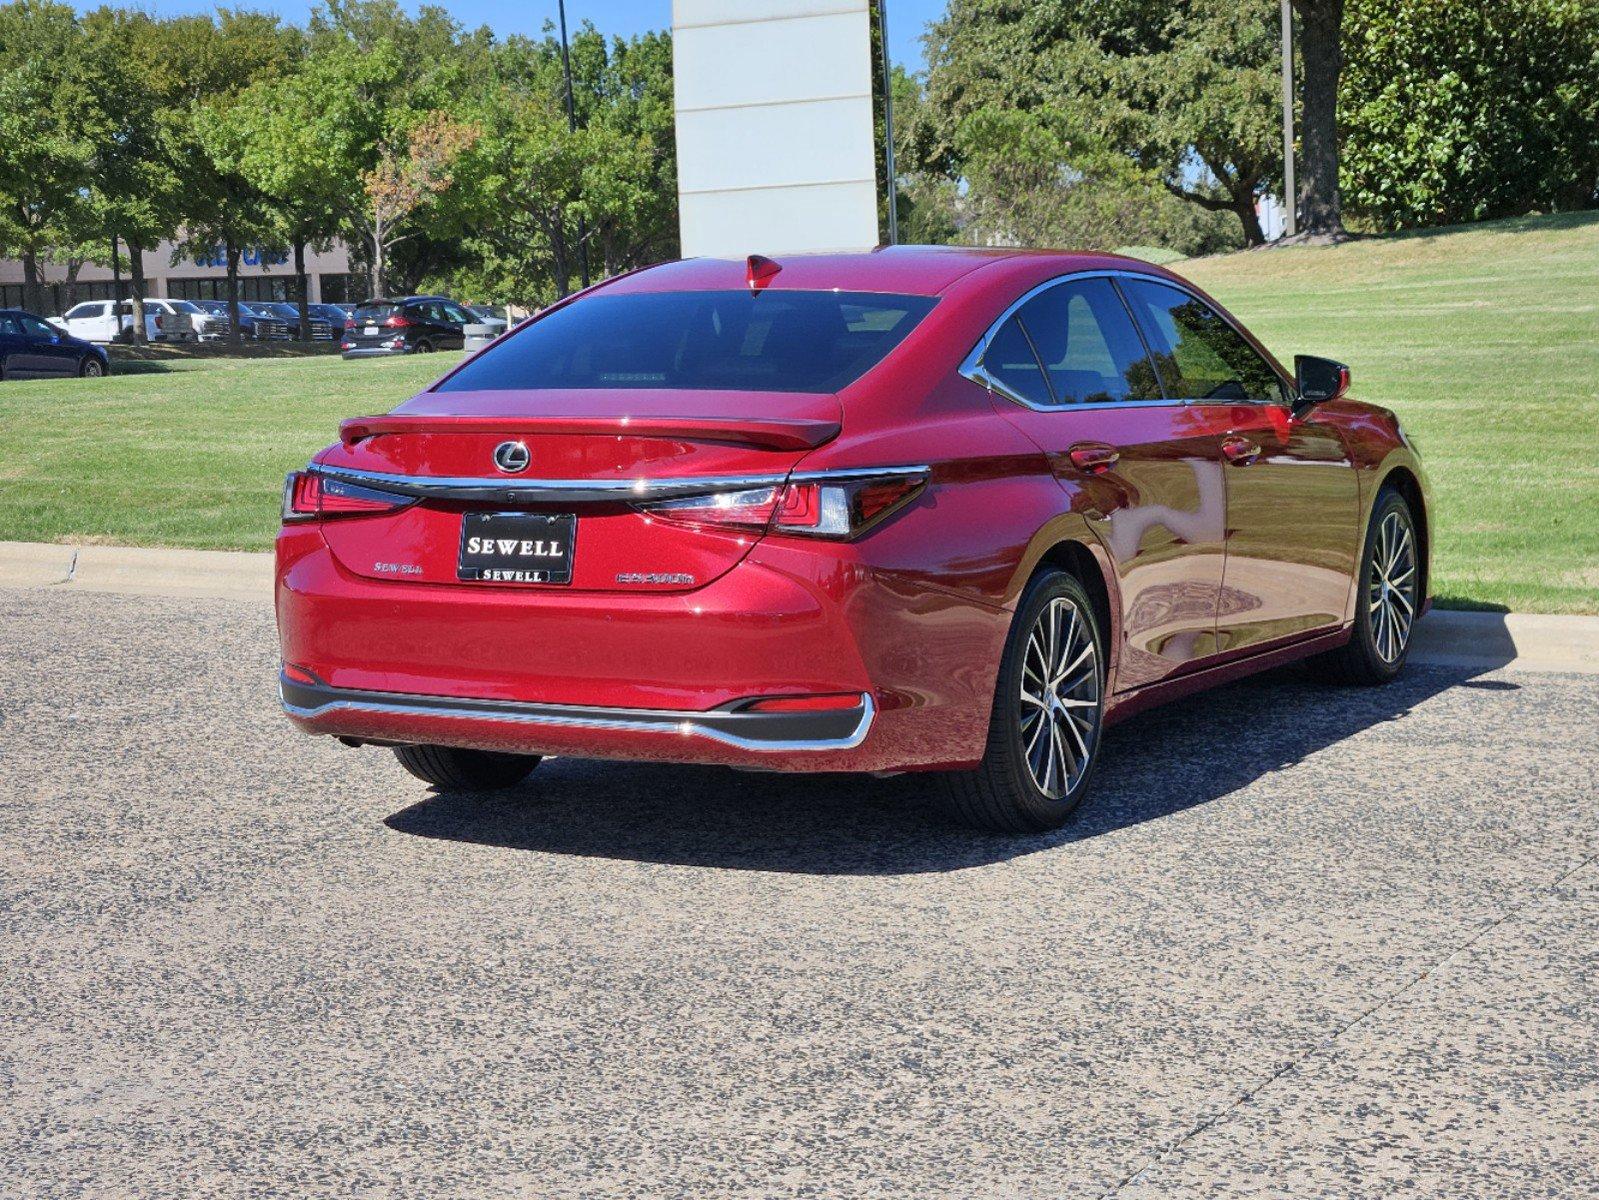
[(526, 533)]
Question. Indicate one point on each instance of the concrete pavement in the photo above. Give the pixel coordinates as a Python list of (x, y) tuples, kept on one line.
[(1303, 941)]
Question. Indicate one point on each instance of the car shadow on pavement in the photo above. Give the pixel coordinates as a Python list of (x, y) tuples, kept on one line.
[(1192, 752)]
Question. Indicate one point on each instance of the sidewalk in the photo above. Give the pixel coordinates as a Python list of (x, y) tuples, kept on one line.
[(1484, 641)]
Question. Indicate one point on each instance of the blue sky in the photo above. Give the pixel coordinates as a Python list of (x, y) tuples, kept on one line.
[(906, 18)]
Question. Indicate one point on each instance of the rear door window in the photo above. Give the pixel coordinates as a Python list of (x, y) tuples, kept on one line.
[(1012, 363), (1086, 341), (1199, 355)]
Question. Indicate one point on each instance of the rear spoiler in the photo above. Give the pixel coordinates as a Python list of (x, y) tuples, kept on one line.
[(767, 433)]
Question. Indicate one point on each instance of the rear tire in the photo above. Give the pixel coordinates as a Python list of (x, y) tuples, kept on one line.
[(458, 770), (1388, 600), (1043, 733)]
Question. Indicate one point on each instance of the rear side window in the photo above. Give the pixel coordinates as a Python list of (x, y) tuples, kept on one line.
[(1011, 362), (773, 340), (1199, 355), (1090, 351), (86, 310)]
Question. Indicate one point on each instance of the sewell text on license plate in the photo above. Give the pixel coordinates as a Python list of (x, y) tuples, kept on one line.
[(516, 547)]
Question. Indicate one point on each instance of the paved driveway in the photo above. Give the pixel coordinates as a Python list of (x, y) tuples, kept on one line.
[(1305, 942)]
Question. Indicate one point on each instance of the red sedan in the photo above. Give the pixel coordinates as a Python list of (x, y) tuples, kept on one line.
[(923, 509)]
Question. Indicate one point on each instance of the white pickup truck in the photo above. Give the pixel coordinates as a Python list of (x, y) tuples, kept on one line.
[(164, 320)]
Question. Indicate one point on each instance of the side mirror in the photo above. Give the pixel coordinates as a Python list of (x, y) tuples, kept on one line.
[(1317, 380)]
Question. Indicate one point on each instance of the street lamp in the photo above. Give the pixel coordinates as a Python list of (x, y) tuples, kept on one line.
[(1290, 225)]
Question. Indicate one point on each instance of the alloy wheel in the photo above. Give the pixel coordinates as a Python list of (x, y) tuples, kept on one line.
[(1059, 698), (1392, 587)]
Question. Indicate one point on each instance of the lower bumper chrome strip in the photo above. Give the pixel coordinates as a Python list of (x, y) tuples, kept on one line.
[(837, 729)]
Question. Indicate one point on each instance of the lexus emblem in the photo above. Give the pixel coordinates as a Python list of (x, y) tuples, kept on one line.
[(511, 457)]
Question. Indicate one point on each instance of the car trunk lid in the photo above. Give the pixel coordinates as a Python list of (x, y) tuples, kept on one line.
[(590, 455)]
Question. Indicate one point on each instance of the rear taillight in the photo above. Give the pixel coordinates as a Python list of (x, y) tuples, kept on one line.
[(399, 322), (841, 504), (308, 496), (349, 322)]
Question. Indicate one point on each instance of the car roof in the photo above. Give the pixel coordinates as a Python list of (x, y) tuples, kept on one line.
[(916, 270)]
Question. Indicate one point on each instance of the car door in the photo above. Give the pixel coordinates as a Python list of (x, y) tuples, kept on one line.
[(50, 354), (1293, 496), (14, 361), (1069, 369)]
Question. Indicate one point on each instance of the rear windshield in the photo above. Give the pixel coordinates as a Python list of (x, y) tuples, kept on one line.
[(375, 312), (770, 341)]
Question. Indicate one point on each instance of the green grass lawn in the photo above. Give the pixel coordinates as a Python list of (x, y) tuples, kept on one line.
[(181, 453), (1485, 339)]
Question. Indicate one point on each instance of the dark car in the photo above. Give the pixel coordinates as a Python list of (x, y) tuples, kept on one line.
[(406, 325), (247, 315), (31, 348), (280, 321)]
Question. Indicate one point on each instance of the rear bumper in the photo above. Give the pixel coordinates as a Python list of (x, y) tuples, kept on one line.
[(646, 676), (375, 351), (319, 708)]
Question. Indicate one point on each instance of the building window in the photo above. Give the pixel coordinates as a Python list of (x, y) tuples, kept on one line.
[(349, 288), (251, 287)]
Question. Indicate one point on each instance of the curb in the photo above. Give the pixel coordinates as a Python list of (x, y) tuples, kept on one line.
[(225, 574), (1481, 641)]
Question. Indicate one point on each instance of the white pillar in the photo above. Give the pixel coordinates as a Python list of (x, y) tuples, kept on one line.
[(775, 147)]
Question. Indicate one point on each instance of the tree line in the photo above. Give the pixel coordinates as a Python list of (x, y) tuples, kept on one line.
[(439, 153), (1158, 122), (445, 156)]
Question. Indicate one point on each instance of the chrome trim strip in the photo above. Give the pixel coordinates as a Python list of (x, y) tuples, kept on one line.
[(511, 488), (662, 721)]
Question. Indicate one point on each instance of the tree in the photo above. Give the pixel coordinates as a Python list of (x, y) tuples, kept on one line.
[(51, 120), (215, 63), (406, 180), (1180, 97), (1320, 43), (534, 184), (1454, 113)]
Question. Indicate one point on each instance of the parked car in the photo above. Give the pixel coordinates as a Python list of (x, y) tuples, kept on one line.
[(405, 325), (210, 318), (915, 510), (105, 321), (32, 348), (280, 321), (494, 318)]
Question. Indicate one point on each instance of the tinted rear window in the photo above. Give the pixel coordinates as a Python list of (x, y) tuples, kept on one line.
[(770, 341), (375, 312)]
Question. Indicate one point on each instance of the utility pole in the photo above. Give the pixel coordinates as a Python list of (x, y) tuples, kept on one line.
[(888, 125), (1290, 200), (571, 125)]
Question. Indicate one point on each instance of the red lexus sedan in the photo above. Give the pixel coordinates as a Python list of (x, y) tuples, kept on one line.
[(923, 509)]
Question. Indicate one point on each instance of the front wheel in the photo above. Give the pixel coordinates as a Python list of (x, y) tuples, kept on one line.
[(91, 368), (455, 770), (1388, 599), (1043, 734), (422, 347)]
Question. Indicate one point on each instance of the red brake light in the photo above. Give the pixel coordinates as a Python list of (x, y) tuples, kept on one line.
[(399, 321), (308, 495), (838, 504), (747, 509), (349, 322)]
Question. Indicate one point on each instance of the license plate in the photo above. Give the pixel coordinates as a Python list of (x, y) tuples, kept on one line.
[(370, 331), (516, 547)]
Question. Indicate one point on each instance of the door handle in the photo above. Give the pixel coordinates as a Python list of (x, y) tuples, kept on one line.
[(1240, 451), (1093, 458)]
